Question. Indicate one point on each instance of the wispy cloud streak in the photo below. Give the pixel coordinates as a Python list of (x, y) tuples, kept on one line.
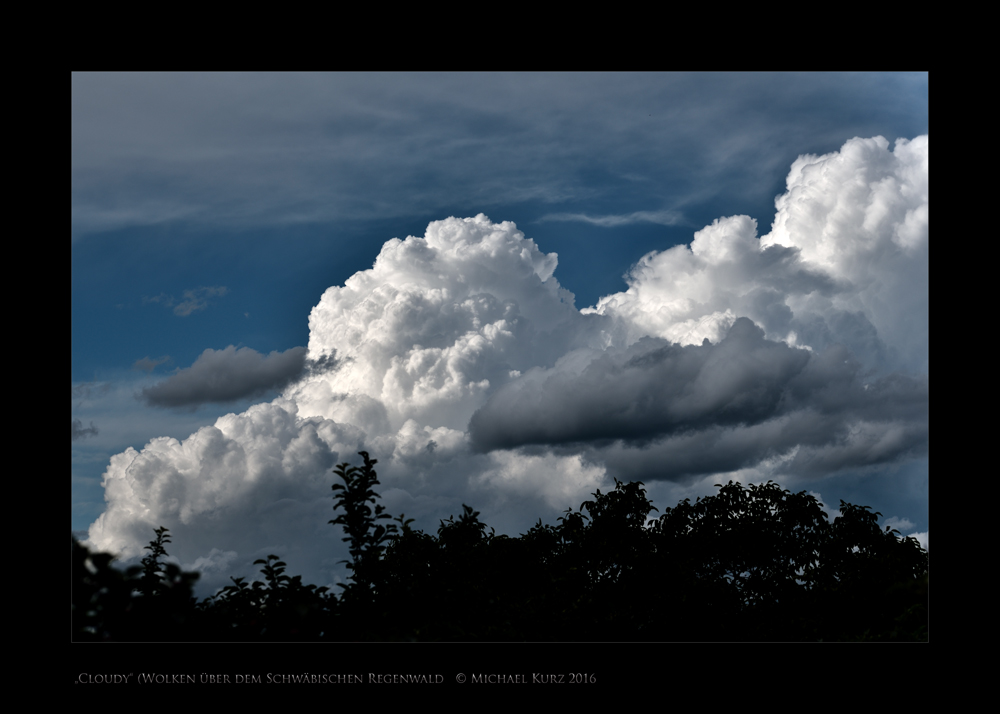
[(663, 218)]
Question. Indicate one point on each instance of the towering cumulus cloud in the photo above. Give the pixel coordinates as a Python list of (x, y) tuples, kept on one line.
[(460, 363)]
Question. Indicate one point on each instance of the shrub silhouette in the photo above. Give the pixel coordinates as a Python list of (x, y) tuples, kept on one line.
[(152, 601), (748, 563), (279, 609)]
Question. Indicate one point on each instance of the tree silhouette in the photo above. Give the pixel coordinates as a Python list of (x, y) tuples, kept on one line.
[(365, 535)]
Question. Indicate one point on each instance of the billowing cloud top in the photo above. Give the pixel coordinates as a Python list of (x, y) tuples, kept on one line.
[(460, 363), (845, 262), (437, 324)]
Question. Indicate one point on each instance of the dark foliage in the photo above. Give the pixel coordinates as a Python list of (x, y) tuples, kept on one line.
[(749, 563), (367, 538), (153, 601)]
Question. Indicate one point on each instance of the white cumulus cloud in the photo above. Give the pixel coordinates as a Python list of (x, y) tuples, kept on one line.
[(799, 352), (845, 262)]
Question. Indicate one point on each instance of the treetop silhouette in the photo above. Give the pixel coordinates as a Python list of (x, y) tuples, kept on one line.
[(748, 563)]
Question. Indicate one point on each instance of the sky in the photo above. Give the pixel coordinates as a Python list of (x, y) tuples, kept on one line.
[(510, 289)]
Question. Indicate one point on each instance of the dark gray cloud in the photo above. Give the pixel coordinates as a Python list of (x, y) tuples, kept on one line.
[(79, 432), (323, 364), (804, 444), (227, 375), (711, 408), (650, 389)]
